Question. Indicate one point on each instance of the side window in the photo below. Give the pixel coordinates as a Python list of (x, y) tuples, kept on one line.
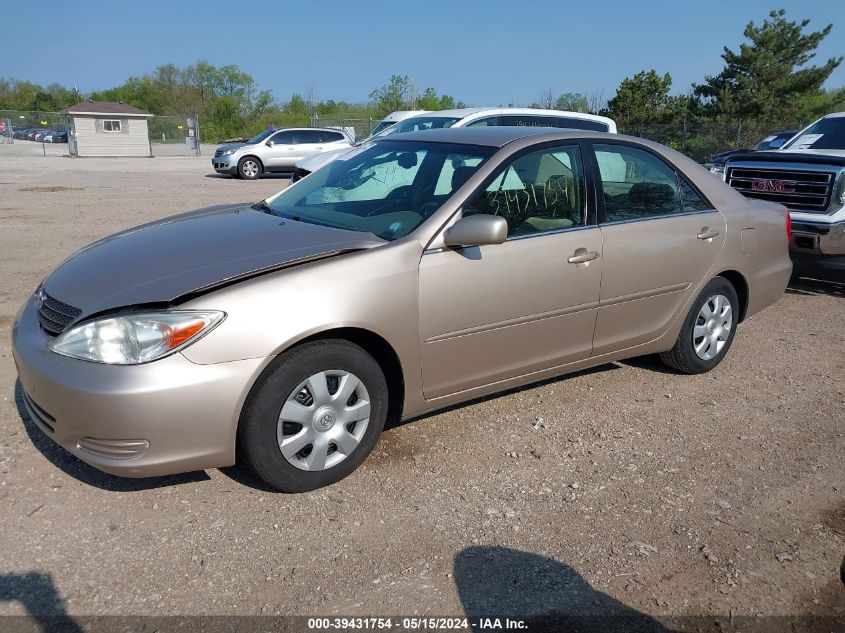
[(636, 183), (485, 122), (691, 200), (330, 137), (580, 124), (527, 120), (284, 138), (308, 136), (538, 192)]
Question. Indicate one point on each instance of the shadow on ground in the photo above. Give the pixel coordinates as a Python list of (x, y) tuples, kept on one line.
[(807, 286), (543, 593), (42, 602), (76, 468)]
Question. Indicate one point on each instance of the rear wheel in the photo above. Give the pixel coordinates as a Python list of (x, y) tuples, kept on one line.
[(708, 330), (314, 415), (249, 168)]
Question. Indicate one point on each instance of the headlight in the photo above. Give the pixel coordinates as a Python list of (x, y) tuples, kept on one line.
[(717, 169), (229, 151), (132, 339)]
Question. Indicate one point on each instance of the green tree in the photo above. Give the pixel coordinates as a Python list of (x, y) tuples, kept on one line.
[(572, 102), (447, 102), (769, 78), (392, 96), (643, 98), (296, 106), (429, 100)]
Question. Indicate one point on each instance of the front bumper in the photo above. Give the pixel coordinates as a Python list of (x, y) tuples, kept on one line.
[(223, 165), (818, 248), (160, 418)]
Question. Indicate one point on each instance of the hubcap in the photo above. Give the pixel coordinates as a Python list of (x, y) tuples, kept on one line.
[(250, 168), (323, 420), (712, 327)]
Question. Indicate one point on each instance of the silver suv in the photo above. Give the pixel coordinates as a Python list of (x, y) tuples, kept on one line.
[(276, 150)]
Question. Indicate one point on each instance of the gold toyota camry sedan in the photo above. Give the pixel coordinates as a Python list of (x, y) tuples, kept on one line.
[(417, 272)]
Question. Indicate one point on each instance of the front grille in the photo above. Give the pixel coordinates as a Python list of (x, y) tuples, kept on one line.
[(798, 190), (54, 316)]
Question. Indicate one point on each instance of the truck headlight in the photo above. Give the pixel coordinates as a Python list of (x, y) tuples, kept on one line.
[(132, 339)]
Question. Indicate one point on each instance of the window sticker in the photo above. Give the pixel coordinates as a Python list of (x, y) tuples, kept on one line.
[(806, 141)]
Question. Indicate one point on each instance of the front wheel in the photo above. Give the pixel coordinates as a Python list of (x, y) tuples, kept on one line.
[(314, 415), (708, 330), (249, 168)]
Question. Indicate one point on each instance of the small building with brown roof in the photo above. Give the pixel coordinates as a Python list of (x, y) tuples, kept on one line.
[(107, 128)]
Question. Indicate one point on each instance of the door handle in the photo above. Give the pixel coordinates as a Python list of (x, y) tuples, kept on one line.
[(582, 256), (318, 148), (707, 234)]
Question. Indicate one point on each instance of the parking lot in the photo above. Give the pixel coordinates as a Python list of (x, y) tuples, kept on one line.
[(623, 487)]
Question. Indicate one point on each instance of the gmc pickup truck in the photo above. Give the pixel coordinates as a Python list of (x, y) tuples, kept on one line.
[(807, 175)]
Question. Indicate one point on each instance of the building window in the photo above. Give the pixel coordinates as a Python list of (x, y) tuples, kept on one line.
[(111, 125)]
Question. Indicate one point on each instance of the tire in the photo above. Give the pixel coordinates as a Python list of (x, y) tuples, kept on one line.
[(281, 395), (249, 168), (714, 345)]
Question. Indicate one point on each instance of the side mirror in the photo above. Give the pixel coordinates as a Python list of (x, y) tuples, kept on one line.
[(270, 143), (477, 230)]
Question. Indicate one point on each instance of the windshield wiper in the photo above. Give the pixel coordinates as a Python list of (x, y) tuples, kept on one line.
[(262, 206)]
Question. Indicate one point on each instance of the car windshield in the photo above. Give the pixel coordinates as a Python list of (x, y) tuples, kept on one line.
[(417, 123), (386, 188), (828, 133), (260, 137), (381, 127)]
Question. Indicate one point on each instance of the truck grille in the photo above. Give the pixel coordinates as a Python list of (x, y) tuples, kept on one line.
[(54, 316), (798, 190)]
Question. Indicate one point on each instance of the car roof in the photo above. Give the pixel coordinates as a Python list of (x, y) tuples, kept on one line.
[(494, 135), (461, 113)]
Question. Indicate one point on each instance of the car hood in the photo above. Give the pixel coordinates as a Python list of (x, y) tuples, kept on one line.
[(223, 148), (313, 163), (813, 156), (190, 253)]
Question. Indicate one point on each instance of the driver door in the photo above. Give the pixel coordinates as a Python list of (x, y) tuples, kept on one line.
[(495, 312), (282, 152)]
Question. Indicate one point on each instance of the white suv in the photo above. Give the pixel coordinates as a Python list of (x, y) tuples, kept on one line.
[(277, 150), (473, 117)]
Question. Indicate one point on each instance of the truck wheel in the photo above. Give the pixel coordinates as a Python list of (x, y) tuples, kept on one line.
[(314, 415), (249, 168), (708, 330)]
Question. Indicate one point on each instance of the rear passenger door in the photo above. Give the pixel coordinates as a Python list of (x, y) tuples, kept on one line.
[(660, 239)]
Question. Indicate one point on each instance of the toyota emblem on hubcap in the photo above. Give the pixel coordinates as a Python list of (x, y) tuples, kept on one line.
[(327, 420)]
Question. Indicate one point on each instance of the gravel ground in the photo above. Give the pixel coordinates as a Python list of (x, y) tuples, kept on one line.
[(623, 487)]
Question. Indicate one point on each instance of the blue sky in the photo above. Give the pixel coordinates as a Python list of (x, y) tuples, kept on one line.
[(484, 53)]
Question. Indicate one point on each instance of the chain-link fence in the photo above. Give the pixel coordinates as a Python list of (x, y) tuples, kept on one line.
[(178, 133), (701, 139), (32, 125)]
